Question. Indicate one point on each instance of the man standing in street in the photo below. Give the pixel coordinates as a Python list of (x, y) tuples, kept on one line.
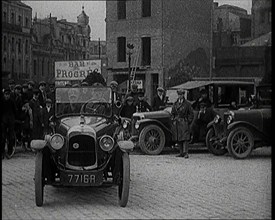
[(7, 123), (30, 89), (47, 113), (42, 94), (159, 100), (182, 117)]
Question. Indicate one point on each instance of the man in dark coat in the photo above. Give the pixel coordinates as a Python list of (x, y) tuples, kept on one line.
[(31, 85), (42, 94), (203, 98), (159, 100), (7, 123), (47, 113), (18, 103), (182, 117), (134, 93), (142, 105), (25, 95), (128, 108), (37, 131), (11, 87)]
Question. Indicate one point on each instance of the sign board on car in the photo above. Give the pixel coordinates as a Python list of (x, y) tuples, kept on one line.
[(76, 70)]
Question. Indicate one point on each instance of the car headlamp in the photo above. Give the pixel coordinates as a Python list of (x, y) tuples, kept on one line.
[(106, 143), (230, 117), (56, 141), (125, 124), (137, 125), (217, 119)]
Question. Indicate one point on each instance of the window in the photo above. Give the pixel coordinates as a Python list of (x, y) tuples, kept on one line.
[(146, 51), (121, 9), (5, 16), (12, 44), (12, 18), (26, 47), (121, 49), (146, 8), (34, 67), (5, 43), (42, 67), (19, 45), (26, 22), (19, 20), (27, 67), (262, 16)]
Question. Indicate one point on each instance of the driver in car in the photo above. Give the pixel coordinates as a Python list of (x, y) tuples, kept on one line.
[(73, 106)]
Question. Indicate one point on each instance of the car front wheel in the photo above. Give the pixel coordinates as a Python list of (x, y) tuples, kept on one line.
[(240, 143), (38, 179), (152, 140), (124, 182), (213, 144)]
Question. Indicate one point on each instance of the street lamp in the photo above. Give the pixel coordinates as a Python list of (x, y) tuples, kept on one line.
[(129, 53)]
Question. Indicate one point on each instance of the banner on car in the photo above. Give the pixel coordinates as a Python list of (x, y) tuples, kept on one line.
[(76, 70)]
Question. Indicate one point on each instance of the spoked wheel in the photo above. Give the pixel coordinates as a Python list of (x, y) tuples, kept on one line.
[(240, 143), (213, 144), (38, 179), (124, 182), (152, 140)]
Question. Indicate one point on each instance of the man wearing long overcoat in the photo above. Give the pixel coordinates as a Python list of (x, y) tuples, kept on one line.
[(182, 117)]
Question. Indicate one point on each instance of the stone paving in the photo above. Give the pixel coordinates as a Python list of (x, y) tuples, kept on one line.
[(162, 187)]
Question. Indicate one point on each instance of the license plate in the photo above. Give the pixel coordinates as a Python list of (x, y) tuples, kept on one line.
[(81, 179)]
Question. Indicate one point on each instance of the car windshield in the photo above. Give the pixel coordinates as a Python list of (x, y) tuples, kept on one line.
[(83, 100)]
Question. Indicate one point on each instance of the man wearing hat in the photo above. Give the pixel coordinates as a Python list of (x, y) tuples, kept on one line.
[(31, 85), (18, 103), (182, 117), (7, 123), (11, 87), (142, 105), (203, 98), (24, 94), (37, 131), (133, 93), (159, 100), (128, 108), (47, 113), (42, 93)]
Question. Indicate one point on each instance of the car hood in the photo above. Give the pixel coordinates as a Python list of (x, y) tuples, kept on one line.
[(92, 124), (154, 114)]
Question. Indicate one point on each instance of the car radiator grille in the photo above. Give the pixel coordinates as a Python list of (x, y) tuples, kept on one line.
[(85, 154)]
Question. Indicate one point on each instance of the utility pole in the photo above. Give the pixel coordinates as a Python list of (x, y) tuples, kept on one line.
[(130, 48), (211, 42)]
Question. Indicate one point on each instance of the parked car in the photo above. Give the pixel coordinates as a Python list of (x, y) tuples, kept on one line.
[(250, 128), (152, 130), (85, 148)]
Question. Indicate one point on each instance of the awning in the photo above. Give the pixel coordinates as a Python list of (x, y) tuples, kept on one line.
[(196, 84)]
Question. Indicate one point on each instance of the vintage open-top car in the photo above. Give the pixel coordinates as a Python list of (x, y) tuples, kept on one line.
[(85, 148), (250, 128), (152, 130)]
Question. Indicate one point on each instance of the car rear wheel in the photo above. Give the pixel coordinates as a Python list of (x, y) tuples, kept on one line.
[(152, 140), (38, 179), (213, 144), (240, 143), (124, 182)]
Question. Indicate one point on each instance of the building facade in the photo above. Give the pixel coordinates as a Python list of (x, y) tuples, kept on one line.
[(16, 41), (231, 26), (165, 34), (58, 40), (261, 17)]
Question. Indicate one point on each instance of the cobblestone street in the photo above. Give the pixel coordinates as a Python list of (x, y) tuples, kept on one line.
[(203, 186)]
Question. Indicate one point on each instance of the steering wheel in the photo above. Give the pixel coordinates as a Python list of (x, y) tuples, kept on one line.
[(96, 104)]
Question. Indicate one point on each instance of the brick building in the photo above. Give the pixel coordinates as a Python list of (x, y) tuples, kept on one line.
[(164, 34), (16, 41), (261, 17), (231, 26)]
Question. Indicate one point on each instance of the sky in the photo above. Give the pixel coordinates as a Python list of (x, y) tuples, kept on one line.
[(96, 10)]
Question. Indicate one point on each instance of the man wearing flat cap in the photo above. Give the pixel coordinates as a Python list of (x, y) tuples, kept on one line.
[(159, 100), (182, 117), (133, 93), (37, 131), (142, 105), (42, 94), (11, 87), (47, 113), (128, 108), (7, 123), (31, 85), (25, 95), (18, 103)]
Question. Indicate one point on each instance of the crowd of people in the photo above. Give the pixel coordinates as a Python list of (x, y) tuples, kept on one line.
[(26, 112)]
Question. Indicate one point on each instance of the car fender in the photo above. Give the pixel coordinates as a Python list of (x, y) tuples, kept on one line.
[(144, 122), (125, 146), (210, 124), (38, 144), (248, 125)]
